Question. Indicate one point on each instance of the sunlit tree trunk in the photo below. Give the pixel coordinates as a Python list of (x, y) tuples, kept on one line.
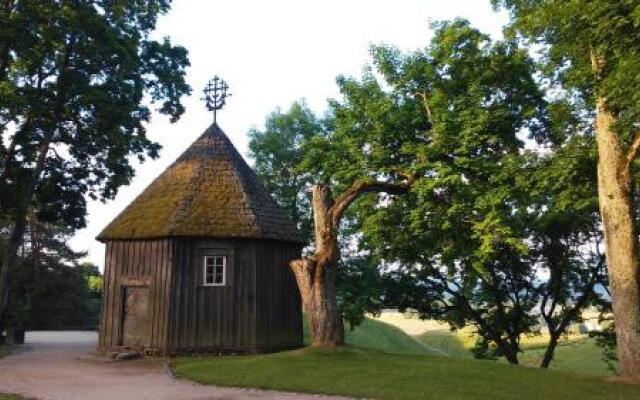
[(316, 274), (616, 208)]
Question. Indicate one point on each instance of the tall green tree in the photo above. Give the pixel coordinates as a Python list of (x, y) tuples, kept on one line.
[(591, 50), (363, 153), (433, 126), (459, 236), (77, 78)]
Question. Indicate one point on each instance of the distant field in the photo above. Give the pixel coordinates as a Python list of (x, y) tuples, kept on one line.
[(577, 353)]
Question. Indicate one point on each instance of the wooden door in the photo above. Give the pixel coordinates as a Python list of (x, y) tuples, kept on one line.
[(134, 316)]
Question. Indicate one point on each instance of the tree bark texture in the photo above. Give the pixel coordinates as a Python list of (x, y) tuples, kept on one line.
[(316, 274), (616, 208)]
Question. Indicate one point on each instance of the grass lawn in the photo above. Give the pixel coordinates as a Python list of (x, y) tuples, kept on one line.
[(372, 334), (374, 374), (580, 356), (453, 344), (383, 362), (11, 397), (577, 354)]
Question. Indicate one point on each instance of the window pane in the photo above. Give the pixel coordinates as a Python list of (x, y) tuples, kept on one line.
[(214, 270)]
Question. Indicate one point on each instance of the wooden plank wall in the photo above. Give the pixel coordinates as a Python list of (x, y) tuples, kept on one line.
[(136, 262), (279, 309), (212, 318)]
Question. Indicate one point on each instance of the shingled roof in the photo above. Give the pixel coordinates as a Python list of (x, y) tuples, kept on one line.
[(209, 191)]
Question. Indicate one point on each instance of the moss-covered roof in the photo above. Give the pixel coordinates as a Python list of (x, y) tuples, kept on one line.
[(209, 191)]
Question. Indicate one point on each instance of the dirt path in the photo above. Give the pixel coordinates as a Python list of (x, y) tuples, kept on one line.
[(60, 366)]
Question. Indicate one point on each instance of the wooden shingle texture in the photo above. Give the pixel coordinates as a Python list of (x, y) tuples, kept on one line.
[(209, 191)]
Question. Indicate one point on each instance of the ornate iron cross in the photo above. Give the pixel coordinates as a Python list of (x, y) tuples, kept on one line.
[(215, 95)]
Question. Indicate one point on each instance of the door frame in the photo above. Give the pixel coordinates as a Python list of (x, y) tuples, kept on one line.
[(132, 282)]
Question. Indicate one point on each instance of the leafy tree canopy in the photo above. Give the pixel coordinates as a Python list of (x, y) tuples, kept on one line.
[(76, 80)]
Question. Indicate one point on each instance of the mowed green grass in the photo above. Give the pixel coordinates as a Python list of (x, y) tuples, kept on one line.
[(382, 362), (455, 345), (377, 375), (582, 356), (11, 397), (372, 334)]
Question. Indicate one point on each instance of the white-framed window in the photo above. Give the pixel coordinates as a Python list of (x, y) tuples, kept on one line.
[(215, 270)]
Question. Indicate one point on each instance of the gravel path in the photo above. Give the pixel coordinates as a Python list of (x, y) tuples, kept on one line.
[(60, 366)]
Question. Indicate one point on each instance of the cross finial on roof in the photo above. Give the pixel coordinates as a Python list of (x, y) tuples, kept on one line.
[(215, 95)]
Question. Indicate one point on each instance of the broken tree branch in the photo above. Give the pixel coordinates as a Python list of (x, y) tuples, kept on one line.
[(361, 187)]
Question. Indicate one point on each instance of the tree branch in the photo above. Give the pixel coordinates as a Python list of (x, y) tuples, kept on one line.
[(361, 187), (632, 152), (425, 103)]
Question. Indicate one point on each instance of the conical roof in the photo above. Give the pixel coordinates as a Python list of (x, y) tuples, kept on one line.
[(209, 191)]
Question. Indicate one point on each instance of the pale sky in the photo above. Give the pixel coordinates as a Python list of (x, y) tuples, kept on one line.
[(273, 53)]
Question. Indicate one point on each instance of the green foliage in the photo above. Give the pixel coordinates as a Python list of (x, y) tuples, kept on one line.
[(360, 287), (50, 287), (282, 154), (459, 235), (571, 34), (76, 83), (487, 218), (369, 374), (278, 151), (588, 50)]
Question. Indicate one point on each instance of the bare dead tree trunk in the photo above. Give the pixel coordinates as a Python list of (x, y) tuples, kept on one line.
[(316, 274)]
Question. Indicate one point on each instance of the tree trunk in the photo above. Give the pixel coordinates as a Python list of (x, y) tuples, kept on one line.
[(508, 350), (616, 208), (549, 352), (319, 304), (316, 275)]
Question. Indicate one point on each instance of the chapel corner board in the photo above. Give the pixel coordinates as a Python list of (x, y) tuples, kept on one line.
[(198, 262)]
